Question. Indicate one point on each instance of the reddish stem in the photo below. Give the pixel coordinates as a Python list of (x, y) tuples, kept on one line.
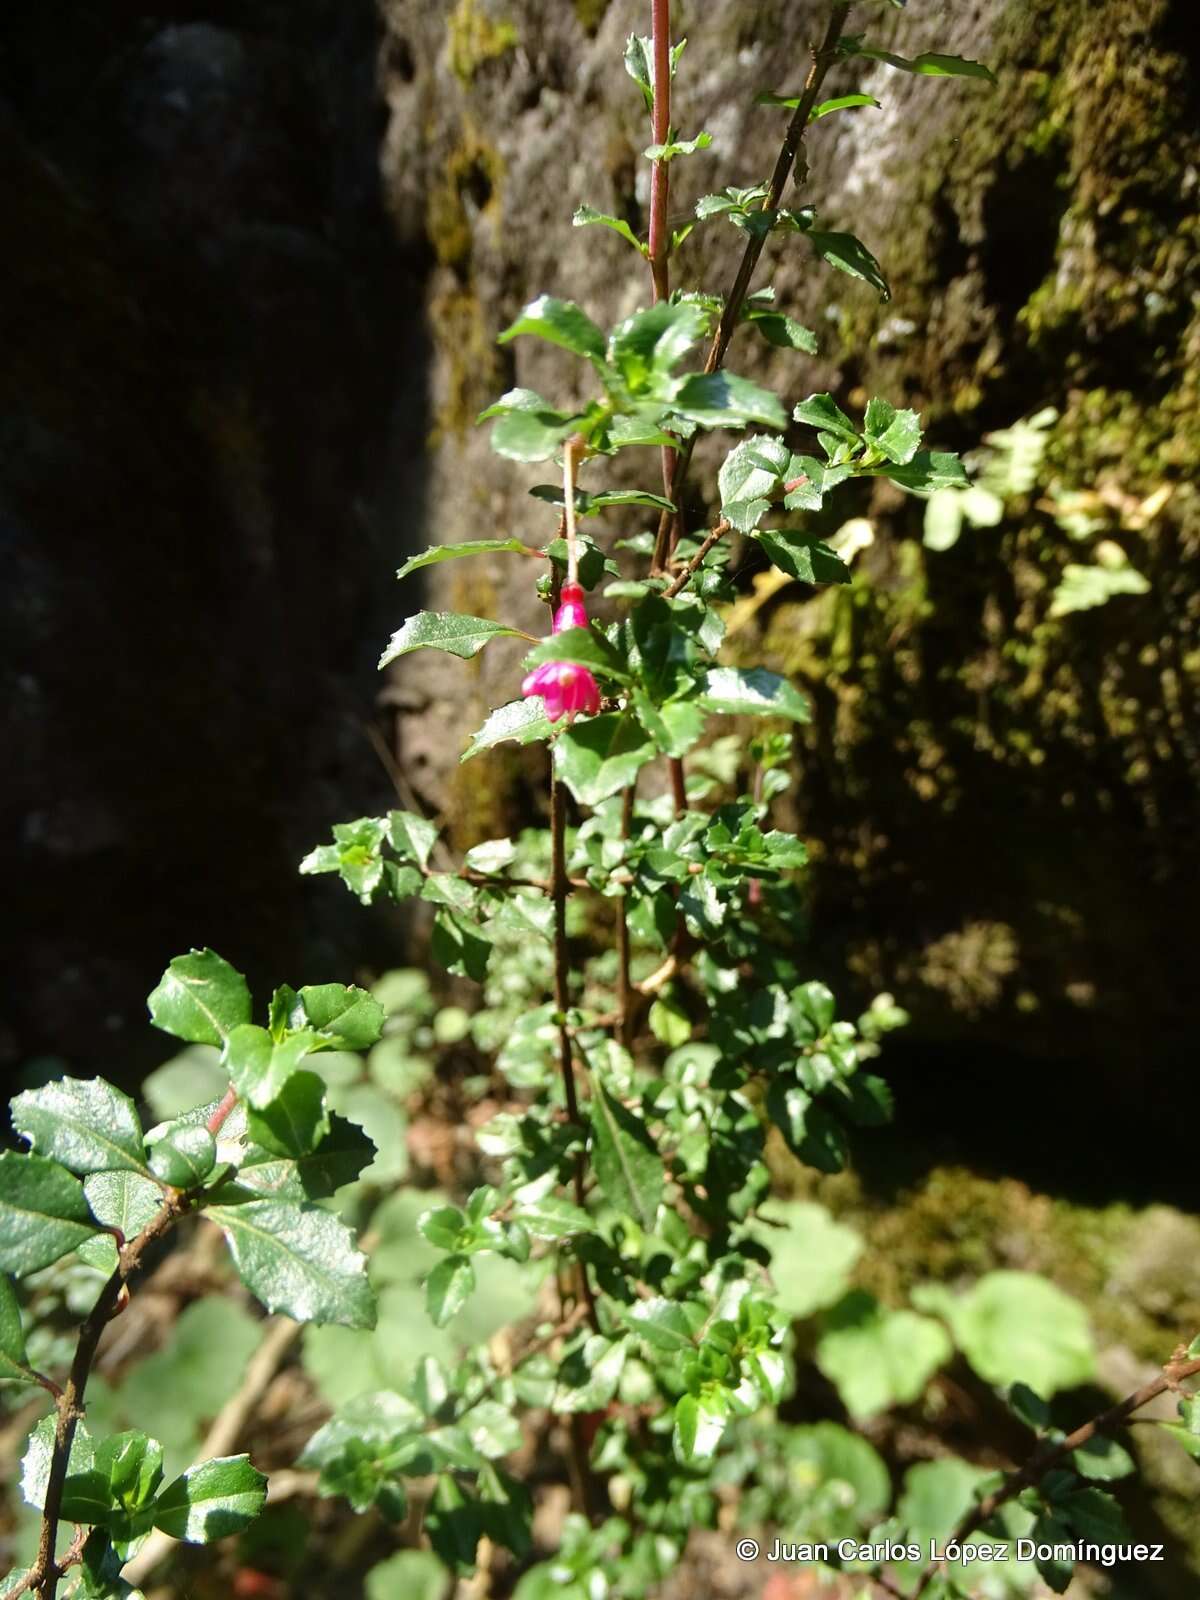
[(660, 184)]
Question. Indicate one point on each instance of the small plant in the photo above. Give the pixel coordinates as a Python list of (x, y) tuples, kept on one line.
[(647, 1016)]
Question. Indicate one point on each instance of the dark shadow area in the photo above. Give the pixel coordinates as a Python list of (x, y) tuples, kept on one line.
[(213, 389)]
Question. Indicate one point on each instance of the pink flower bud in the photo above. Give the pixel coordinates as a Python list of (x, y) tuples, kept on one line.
[(571, 612), (565, 687)]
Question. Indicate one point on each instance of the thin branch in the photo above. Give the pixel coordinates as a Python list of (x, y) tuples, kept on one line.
[(822, 59), (1049, 1455), (697, 561), (46, 1571), (624, 1024), (220, 1440)]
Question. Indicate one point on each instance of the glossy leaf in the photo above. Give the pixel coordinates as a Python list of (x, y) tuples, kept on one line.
[(803, 556), (448, 1288), (929, 63), (820, 411), (628, 1167), (83, 1123), (522, 721), (561, 322), (346, 1016), (200, 998), (185, 1156), (260, 1066), (584, 215), (296, 1120), (699, 1424), (585, 646), (849, 254), (457, 635), (601, 756), (722, 400), (299, 1260), (211, 1501), (453, 552), (753, 692), (14, 1366), (43, 1213)]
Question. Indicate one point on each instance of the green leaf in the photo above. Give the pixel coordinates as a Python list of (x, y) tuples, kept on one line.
[(838, 1458), (1050, 1532), (460, 945), (589, 1374), (820, 411), (296, 1121), (84, 1123), (896, 434), (338, 1159), (928, 63), (123, 1200), (347, 1017), (132, 1463), (666, 1325), (784, 332), (523, 721), (652, 341), (879, 1358), (452, 552), (446, 630), (753, 692), (674, 727), (699, 1423), (803, 556), (586, 647), (811, 1256), (722, 400), (750, 478), (14, 1363), (843, 102), (850, 255), (35, 1464), (1083, 588), (928, 470), (628, 1168), (561, 322), (212, 1500), (807, 1127), (529, 428), (259, 1066), (200, 998), (677, 147), (1103, 1460), (414, 1574), (1094, 1515), (448, 1288), (601, 756), (184, 1157), (553, 1218), (299, 1260), (1015, 1326), (43, 1213), (588, 214)]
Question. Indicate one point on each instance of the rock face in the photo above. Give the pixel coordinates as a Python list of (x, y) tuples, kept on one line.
[(1004, 800), (211, 384)]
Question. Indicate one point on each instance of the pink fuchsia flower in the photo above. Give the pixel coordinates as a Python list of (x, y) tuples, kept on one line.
[(565, 687), (571, 612)]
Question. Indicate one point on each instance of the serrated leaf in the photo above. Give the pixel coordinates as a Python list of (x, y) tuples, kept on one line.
[(450, 631), (43, 1213), (928, 470), (896, 434), (754, 692), (751, 477), (448, 1288), (628, 1168), (82, 1123), (784, 332), (14, 1363), (652, 341), (259, 1066), (584, 215), (296, 1120), (184, 1157), (212, 1500), (561, 322), (523, 721), (454, 552), (723, 400), (821, 411), (929, 63), (123, 1200), (339, 1159), (346, 1016), (1083, 588), (200, 998), (460, 945), (666, 1325), (601, 756), (849, 254), (586, 647), (299, 1260), (803, 556)]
